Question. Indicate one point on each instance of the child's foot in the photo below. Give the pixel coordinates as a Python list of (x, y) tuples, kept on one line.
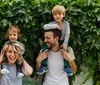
[(20, 75), (68, 71), (4, 71), (42, 70)]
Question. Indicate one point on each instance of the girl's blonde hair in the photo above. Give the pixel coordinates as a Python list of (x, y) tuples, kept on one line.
[(19, 48), (59, 9), (15, 28)]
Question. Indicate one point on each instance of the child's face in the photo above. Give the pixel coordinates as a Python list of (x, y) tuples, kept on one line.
[(58, 17), (12, 55), (13, 35)]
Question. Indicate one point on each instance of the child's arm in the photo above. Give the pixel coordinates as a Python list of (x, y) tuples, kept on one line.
[(67, 33), (27, 69), (63, 47), (49, 26), (52, 26)]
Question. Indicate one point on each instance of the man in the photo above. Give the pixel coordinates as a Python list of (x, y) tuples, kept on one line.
[(56, 56)]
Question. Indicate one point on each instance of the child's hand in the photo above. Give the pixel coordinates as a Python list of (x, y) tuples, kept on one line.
[(64, 47), (58, 27), (5, 48)]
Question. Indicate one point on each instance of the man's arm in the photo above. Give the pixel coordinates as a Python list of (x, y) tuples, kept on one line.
[(73, 66), (43, 55), (38, 63), (68, 57)]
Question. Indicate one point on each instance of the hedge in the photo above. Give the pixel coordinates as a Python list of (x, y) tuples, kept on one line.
[(31, 15)]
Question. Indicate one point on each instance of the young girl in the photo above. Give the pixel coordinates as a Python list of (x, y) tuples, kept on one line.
[(11, 56), (13, 34), (58, 13)]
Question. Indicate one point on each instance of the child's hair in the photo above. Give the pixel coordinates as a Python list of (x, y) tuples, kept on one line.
[(19, 48), (15, 28), (59, 9)]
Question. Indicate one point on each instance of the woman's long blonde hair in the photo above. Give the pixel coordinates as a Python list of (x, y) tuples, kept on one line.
[(19, 48)]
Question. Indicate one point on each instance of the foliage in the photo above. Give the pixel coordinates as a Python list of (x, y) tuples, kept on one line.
[(31, 15)]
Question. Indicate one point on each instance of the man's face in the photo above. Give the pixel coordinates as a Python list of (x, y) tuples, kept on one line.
[(49, 39)]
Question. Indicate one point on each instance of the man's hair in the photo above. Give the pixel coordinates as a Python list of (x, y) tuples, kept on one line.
[(59, 9), (56, 32)]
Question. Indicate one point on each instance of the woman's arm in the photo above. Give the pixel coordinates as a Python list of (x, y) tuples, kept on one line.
[(1, 56), (27, 69)]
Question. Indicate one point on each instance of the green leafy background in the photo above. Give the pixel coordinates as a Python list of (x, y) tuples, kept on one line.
[(31, 15)]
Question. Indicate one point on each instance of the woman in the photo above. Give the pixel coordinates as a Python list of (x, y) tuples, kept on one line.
[(11, 56)]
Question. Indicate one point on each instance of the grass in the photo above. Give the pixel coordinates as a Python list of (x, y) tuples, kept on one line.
[(30, 81)]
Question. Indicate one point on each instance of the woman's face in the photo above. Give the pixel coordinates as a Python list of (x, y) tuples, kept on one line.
[(12, 55)]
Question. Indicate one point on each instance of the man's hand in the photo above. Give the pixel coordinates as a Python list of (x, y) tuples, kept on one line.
[(67, 56), (43, 55)]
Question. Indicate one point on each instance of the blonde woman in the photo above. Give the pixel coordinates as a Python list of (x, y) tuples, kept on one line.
[(11, 57)]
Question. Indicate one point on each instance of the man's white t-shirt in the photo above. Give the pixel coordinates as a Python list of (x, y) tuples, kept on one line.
[(55, 74)]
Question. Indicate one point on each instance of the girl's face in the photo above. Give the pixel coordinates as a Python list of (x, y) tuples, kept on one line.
[(58, 17), (12, 55), (13, 34)]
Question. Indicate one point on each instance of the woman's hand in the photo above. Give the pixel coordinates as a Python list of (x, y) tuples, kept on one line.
[(5, 48)]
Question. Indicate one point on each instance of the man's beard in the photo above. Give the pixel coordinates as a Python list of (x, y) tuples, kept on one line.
[(49, 45)]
